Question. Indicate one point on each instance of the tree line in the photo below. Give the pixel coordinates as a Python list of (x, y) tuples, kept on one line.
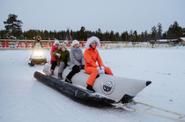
[(13, 29)]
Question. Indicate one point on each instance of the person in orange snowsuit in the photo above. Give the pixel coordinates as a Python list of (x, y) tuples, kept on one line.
[(93, 62)]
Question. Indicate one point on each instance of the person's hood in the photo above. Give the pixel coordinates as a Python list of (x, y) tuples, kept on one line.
[(91, 40)]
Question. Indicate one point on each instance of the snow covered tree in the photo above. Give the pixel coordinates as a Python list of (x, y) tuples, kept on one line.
[(2, 34), (13, 26)]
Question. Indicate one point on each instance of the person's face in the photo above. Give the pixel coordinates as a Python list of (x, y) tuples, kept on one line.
[(76, 46), (63, 48), (93, 45), (57, 45)]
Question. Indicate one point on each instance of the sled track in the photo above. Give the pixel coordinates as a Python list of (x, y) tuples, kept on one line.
[(144, 108)]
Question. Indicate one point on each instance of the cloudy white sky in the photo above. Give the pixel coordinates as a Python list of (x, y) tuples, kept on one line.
[(117, 15)]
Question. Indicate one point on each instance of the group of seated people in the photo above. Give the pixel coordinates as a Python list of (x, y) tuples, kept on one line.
[(90, 61)]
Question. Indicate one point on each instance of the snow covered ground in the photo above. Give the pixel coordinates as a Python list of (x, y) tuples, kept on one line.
[(23, 99)]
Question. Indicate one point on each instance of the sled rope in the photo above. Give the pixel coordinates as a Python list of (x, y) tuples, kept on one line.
[(150, 109), (161, 109), (179, 116)]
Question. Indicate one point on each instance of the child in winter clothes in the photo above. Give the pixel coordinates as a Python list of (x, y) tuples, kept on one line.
[(54, 56), (62, 59), (93, 62), (76, 60)]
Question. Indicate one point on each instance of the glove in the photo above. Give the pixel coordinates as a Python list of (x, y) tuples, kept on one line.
[(57, 54), (101, 70)]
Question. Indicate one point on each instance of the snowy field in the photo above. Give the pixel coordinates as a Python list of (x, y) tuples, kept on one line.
[(23, 99)]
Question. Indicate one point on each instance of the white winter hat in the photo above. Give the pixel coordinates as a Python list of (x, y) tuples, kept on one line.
[(56, 42), (91, 40), (75, 42)]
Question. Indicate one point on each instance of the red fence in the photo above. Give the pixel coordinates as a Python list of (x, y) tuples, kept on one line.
[(27, 44)]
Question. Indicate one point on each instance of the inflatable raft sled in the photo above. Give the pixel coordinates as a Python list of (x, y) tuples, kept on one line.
[(109, 89)]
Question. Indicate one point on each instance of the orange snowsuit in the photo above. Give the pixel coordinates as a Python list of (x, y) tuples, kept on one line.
[(92, 62)]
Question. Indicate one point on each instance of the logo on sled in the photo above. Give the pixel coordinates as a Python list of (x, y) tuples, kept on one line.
[(107, 87)]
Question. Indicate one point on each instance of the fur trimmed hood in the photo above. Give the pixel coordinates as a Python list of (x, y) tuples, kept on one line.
[(91, 40)]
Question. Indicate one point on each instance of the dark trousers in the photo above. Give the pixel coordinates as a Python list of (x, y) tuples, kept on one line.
[(75, 69), (53, 64)]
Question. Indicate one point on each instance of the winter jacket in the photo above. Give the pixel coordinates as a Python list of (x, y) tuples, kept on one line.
[(92, 58), (76, 57), (64, 56), (53, 49)]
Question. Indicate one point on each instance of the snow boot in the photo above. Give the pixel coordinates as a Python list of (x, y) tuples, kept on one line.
[(51, 72), (89, 87), (67, 80), (60, 76)]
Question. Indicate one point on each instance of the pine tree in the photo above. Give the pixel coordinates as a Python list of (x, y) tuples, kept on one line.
[(159, 31), (13, 26), (154, 33), (174, 31)]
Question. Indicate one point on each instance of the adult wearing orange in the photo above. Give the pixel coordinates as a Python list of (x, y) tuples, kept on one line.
[(93, 62)]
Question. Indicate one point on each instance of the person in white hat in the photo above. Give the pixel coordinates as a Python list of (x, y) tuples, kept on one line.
[(76, 60)]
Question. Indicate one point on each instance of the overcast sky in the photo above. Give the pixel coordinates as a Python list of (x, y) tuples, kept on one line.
[(117, 15)]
